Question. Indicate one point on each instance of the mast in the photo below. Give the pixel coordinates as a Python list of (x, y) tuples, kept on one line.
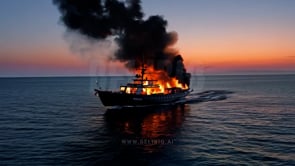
[(142, 70)]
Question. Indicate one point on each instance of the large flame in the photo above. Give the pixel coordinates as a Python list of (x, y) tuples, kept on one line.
[(156, 82)]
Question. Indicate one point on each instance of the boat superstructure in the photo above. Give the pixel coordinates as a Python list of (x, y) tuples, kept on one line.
[(143, 91)]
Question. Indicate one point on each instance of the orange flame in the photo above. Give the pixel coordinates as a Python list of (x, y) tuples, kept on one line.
[(156, 82)]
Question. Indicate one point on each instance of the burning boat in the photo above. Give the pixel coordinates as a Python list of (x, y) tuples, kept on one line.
[(145, 91), (122, 22)]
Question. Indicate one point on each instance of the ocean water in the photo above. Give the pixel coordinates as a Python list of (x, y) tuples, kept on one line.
[(59, 121)]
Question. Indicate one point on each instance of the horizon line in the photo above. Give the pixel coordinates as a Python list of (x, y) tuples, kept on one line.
[(228, 74)]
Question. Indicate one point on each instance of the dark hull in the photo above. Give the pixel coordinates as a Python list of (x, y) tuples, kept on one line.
[(109, 98)]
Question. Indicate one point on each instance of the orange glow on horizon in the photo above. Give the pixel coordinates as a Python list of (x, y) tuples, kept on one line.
[(227, 57), (237, 58)]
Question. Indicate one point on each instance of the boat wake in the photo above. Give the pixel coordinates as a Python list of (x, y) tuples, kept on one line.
[(209, 95)]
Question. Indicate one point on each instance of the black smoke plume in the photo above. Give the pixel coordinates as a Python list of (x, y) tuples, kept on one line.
[(140, 41)]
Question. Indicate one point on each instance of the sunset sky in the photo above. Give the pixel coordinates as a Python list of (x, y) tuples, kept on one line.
[(214, 37)]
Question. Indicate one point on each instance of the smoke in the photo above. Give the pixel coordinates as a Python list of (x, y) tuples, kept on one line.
[(139, 40)]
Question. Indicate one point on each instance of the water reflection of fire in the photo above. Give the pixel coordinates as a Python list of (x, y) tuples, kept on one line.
[(158, 125), (155, 125), (147, 122)]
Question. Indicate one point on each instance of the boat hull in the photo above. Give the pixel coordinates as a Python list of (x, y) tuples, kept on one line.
[(109, 98)]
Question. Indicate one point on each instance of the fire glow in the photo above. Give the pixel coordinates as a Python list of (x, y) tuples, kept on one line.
[(155, 83)]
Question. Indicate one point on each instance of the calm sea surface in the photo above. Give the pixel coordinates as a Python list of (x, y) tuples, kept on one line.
[(59, 121)]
